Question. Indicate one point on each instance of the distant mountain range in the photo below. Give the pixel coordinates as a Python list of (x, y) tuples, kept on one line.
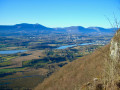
[(36, 29)]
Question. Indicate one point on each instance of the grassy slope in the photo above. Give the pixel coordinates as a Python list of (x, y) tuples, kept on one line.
[(73, 75)]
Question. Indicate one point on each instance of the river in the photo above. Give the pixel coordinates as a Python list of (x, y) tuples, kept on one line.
[(64, 47), (61, 47)]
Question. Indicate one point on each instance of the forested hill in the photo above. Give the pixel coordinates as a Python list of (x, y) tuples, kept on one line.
[(28, 29)]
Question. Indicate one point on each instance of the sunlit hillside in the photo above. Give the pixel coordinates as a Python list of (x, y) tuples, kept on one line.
[(77, 73), (97, 71)]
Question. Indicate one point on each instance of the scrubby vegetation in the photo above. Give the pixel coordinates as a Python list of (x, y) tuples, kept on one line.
[(5, 60), (75, 74), (112, 65), (97, 71)]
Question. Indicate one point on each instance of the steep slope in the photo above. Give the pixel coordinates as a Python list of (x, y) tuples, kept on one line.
[(97, 71), (113, 64), (74, 75)]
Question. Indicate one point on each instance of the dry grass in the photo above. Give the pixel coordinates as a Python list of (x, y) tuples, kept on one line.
[(112, 65), (74, 75), (79, 74), (117, 36)]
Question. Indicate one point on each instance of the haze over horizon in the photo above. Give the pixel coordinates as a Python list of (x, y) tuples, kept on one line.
[(59, 13)]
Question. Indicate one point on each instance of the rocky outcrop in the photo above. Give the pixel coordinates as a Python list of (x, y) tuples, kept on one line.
[(115, 47), (112, 64)]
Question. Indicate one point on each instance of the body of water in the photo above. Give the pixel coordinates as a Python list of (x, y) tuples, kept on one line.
[(64, 47), (12, 51), (61, 47)]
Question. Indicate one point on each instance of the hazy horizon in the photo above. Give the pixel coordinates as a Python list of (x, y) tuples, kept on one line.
[(54, 27)]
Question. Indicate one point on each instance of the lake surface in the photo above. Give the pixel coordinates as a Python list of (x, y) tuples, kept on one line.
[(12, 51), (64, 47)]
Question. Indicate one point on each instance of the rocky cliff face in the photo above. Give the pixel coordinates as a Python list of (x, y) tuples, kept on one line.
[(112, 64), (115, 46)]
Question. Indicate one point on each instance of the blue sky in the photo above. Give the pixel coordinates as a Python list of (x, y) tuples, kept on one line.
[(59, 13)]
